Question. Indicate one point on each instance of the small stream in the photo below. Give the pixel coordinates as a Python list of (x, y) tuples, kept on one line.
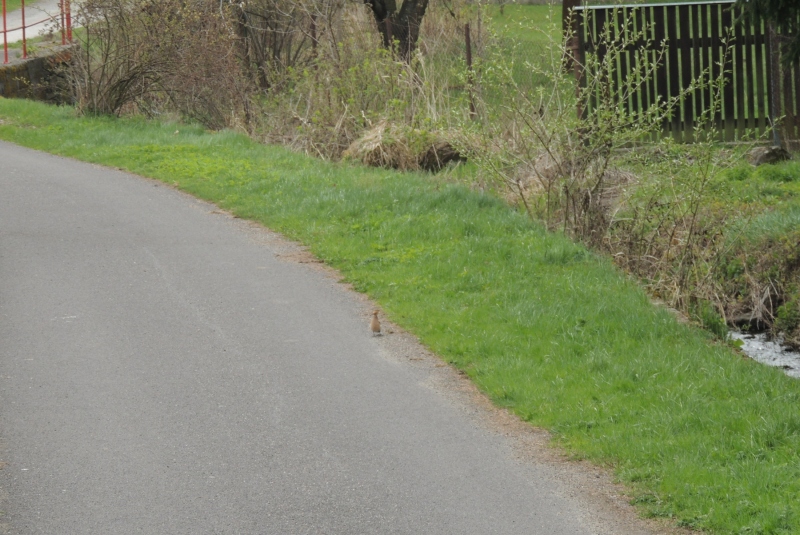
[(767, 350)]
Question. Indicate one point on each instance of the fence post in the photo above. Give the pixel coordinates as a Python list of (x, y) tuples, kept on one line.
[(62, 8), (569, 29), (69, 20), (5, 35), (573, 55), (472, 111), (389, 36), (774, 82), (314, 36), (24, 36)]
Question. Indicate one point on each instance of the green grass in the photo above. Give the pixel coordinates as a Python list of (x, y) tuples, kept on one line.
[(37, 44), (774, 190), (529, 24), (13, 5), (546, 328), (526, 31)]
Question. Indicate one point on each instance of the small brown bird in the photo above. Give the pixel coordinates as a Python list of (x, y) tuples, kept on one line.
[(375, 325)]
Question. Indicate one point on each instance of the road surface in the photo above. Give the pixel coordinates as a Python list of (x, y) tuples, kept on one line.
[(167, 369), (39, 17)]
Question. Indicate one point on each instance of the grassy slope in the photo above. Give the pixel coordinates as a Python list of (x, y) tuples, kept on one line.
[(527, 24), (545, 328), (13, 5)]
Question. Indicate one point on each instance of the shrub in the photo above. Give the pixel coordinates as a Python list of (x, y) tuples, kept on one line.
[(787, 318), (149, 57)]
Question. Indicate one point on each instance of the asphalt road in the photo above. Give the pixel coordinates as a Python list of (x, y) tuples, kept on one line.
[(38, 17), (163, 370)]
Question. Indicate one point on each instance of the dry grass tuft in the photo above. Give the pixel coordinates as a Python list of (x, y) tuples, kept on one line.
[(383, 145), (393, 146)]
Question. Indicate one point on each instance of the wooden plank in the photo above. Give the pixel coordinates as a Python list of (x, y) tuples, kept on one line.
[(583, 16), (794, 97), (750, 78), (649, 88), (796, 70), (635, 50), (793, 114), (715, 60), (729, 105), (599, 30), (761, 68), (773, 77), (740, 77), (620, 63), (697, 64), (660, 79), (755, 87), (784, 83), (685, 29), (705, 63), (796, 84), (697, 47), (673, 70), (584, 46)]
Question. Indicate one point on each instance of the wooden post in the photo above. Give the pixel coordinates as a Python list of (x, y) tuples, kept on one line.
[(389, 36), (572, 47), (569, 29), (774, 82), (472, 111), (314, 36)]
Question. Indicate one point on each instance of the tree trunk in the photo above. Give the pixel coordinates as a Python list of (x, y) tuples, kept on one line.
[(400, 28)]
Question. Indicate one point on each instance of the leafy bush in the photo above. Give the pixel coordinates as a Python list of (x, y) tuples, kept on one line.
[(787, 318)]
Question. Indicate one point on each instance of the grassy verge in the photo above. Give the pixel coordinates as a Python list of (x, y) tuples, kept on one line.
[(738, 246), (544, 327), (13, 5), (36, 44), (526, 31)]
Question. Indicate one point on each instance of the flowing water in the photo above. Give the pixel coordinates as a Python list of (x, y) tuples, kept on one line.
[(769, 351)]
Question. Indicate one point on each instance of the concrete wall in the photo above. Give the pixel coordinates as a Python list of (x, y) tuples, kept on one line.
[(36, 78)]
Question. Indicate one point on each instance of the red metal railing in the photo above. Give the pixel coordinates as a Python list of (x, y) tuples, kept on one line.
[(64, 20)]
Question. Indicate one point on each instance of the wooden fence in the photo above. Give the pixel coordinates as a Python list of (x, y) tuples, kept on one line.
[(756, 92)]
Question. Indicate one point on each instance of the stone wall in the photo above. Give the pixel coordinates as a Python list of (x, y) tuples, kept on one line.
[(36, 78)]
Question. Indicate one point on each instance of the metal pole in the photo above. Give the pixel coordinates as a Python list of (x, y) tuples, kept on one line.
[(5, 35), (69, 20), (24, 37), (63, 23)]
